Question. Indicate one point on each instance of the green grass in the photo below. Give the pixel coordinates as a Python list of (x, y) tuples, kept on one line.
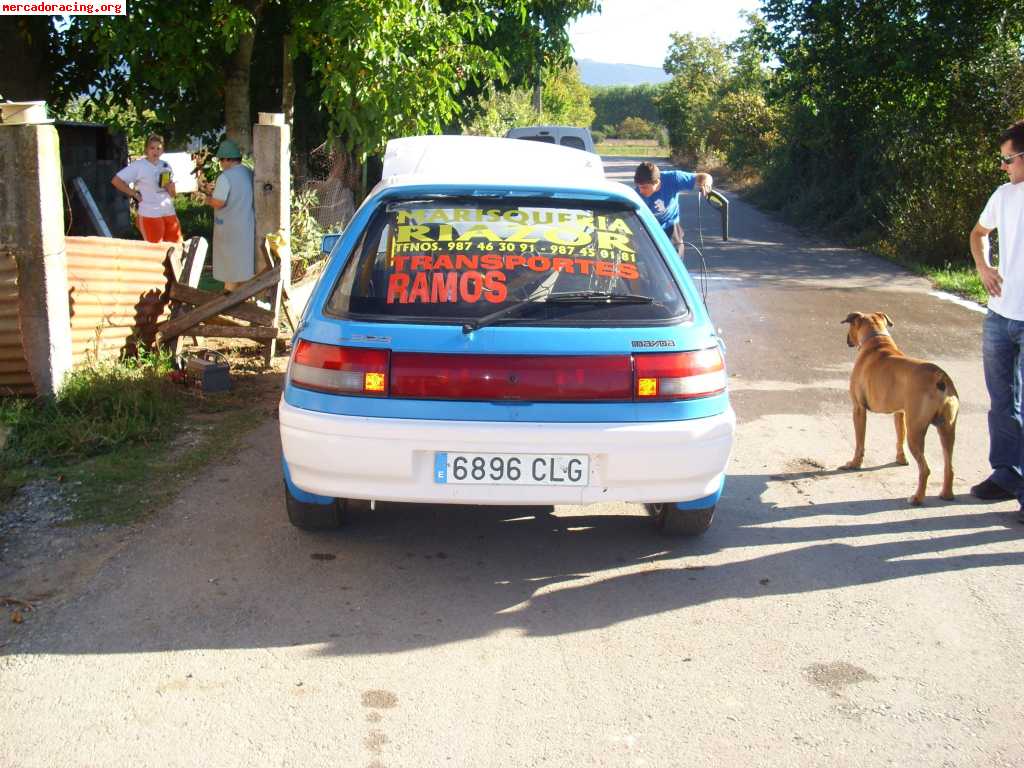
[(100, 407), (636, 150), (129, 484), (196, 218), (121, 438), (963, 281)]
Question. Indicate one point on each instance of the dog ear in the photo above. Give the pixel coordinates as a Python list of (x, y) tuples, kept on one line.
[(851, 317), (888, 320)]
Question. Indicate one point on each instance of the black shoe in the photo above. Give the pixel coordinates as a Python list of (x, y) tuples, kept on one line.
[(987, 490)]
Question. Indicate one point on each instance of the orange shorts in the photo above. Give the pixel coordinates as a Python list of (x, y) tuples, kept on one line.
[(160, 229)]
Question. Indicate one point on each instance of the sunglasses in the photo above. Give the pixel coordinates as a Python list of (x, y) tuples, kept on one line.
[(1007, 159)]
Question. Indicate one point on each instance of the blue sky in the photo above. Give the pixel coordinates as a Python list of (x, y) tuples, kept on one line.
[(637, 31)]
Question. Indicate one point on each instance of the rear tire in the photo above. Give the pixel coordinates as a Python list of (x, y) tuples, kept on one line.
[(672, 521), (314, 517)]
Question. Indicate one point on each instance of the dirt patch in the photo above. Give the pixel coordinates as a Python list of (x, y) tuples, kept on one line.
[(377, 699), (837, 675), (47, 553)]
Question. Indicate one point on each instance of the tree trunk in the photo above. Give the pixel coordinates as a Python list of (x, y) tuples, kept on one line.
[(237, 104), (288, 79), (537, 104), (237, 101)]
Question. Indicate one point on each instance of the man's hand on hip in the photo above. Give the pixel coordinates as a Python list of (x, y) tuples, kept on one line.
[(991, 279)]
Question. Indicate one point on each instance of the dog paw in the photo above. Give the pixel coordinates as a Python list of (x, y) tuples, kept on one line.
[(947, 496), (902, 460), (851, 465), (915, 501)]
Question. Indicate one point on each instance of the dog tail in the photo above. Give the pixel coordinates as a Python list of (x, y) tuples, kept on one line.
[(951, 402)]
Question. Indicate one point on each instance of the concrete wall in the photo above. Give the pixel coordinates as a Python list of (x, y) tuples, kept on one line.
[(32, 235)]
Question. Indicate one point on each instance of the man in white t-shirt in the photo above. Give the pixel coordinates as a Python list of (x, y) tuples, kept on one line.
[(150, 181), (1003, 338)]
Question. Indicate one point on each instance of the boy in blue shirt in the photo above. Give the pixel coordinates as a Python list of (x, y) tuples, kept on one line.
[(659, 191)]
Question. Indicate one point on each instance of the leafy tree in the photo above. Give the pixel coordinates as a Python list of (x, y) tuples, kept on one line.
[(746, 127), (636, 128), (613, 104), (744, 124), (699, 66), (890, 110), (134, 126), (363, 70), (566, 101), (389, 68), (501, 110)]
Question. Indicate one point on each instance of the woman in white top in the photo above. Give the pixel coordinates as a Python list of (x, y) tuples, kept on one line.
[(150, 181)]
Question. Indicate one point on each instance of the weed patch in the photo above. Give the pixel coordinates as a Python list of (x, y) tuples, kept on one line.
[(100, 407), (120, 439)]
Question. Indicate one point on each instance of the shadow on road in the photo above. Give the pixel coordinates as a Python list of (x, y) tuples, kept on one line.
[(405, 577)]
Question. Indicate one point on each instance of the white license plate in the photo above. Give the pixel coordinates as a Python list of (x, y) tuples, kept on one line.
[(512, 468)]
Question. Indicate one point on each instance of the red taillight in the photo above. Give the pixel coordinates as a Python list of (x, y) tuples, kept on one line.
[(344, 370), (571, 378), (511, 377), (679, 375)]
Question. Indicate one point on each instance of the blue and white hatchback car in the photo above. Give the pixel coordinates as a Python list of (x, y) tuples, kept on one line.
[(500, 324)]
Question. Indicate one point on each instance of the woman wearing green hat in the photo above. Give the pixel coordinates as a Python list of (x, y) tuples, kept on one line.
[(234, 219)]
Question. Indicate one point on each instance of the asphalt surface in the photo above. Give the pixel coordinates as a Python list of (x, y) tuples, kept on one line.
[(820, 622)]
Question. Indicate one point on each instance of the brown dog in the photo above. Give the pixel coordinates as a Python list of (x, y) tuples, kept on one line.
[(884, 380)]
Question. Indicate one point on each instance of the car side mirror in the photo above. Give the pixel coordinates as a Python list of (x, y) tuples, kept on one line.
[(328, 242), (721, 202)]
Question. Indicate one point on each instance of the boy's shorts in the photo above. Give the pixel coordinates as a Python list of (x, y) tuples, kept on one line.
[(157, 229), (675, 234)]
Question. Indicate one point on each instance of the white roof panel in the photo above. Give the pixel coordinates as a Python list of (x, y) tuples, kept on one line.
[(489, 160)]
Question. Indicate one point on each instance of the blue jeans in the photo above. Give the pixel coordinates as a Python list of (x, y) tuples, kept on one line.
[(1001, 347)]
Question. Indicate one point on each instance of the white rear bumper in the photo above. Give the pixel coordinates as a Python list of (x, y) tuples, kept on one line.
[(359, 457)]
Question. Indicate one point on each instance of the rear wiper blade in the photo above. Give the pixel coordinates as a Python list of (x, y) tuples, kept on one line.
[(571, 297), (598, 297), (511, 309)]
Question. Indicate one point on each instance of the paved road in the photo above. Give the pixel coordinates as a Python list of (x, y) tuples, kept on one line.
[(820, 622)]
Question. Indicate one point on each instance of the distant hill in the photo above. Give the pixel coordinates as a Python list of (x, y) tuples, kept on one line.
[(600, 73)]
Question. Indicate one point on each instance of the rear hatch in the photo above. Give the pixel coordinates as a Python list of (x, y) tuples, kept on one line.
[(498, 309)]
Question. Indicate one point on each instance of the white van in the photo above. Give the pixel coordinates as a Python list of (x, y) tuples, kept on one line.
[(565, 135)]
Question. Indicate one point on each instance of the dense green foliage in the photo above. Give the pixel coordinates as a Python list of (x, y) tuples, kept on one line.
[(613, 104), (890, 112), (564, 101), (876, 121), (636, 128), (358, 71), (100, 407), (307, 234), (699, 67)]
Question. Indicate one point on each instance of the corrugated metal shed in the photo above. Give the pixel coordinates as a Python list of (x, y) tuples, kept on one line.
[(117, 294), (14, 375)]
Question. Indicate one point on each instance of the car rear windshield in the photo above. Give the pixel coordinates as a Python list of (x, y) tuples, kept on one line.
[(461, 260)]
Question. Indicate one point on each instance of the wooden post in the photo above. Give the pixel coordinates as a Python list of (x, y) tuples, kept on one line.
[(272, 184)]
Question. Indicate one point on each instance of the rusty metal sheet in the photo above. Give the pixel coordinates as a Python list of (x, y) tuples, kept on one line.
[(117, 292), (14, 374)]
